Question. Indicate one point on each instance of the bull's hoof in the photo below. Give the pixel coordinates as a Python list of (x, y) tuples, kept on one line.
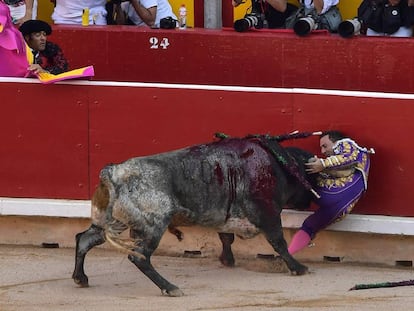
[(227, 261), (173, 293), (301, 270), (81, 285), (81, 282)]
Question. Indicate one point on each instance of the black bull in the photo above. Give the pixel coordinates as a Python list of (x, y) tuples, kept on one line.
[(236, 186)]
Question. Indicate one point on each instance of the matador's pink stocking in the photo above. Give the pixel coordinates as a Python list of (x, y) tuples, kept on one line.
[(299, 241)]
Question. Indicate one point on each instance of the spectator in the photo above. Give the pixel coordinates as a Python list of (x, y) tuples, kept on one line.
[(143, 12), (275, 11), (387, 17), (281, 14), (47, 56), (324, 12), (341, 181), (22, 10), (13, 60), (70, 12)]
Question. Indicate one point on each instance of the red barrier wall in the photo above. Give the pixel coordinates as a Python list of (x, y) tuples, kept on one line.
[(56, 138), (256, 58), (44, 141)]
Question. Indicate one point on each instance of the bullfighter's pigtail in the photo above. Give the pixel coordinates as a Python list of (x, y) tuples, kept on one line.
[(278, 138), (288, 136), (290, 165)]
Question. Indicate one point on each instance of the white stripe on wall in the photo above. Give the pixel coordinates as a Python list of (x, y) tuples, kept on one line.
[(221, 88), (290, 218)]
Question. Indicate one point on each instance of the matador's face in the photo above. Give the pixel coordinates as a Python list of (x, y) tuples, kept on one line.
[(326, 146), (37, 40)]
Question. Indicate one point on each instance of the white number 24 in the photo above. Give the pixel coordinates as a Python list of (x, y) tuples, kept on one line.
[(155, 43)]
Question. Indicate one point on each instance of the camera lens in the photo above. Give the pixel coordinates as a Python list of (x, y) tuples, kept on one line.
[(241, 25), (247, 22), (304, 26)]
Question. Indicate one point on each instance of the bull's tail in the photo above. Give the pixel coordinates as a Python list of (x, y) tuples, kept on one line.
[(124, 245), (114, 228), (105, 177)]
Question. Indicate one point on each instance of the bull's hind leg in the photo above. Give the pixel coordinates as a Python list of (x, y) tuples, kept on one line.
[(274, 235), (145, 266), (85, 241), (226, 257)]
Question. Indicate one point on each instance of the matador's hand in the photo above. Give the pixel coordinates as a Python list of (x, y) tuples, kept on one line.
[(314, 166), (35, 68)]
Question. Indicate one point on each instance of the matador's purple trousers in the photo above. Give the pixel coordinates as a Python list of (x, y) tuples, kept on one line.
[(334, 204)]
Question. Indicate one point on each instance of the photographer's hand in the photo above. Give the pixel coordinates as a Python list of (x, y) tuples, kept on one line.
[(318, 4), (118, 15), (146, 14), (278, 5), (393, 2), (236, 3)]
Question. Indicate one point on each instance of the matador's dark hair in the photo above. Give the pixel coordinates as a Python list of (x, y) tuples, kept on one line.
[(334, 135)]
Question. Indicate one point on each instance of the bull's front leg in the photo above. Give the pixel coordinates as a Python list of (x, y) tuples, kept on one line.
[(226, 257), (145, 266), (274, 235), (85, 241)]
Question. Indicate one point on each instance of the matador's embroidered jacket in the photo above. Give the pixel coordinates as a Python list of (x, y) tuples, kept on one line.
[(341, 167)]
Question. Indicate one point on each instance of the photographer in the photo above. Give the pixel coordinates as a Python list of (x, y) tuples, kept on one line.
[(387, 17), (275, 12), (324, 13), (142, 12), (281, 14)]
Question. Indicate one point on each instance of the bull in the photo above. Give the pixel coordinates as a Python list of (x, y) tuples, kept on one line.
[(234, 185)]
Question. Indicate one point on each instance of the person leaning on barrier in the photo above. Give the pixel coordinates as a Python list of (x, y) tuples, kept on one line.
[(315, 14), (341, 181), (22, 10), (47, 56), (387, 17), (71, 11), (275, 12), (311, 15), (141, 12)]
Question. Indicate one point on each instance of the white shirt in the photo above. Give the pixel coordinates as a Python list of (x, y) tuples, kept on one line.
[(70, 12), (163, 10), (327, 4), (18, 11)]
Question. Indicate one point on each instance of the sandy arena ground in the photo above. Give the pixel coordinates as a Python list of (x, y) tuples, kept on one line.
[(35, 278)]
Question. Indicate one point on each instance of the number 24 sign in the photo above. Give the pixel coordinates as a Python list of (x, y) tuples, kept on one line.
[(156, 43)]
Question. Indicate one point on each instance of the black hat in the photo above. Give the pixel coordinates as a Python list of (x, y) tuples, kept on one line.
[(35, 25)]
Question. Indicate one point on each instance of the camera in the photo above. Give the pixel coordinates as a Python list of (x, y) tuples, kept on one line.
[(168, 23), (349, 28), (250, 20), (305, 25)]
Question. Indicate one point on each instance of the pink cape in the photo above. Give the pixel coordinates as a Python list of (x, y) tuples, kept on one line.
[(13, 59), (83, 72)]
